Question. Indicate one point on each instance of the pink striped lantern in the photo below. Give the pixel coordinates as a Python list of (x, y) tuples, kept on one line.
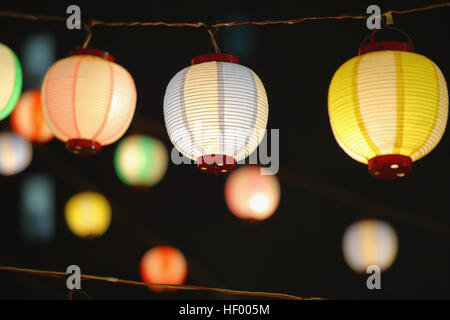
[(88, 100)]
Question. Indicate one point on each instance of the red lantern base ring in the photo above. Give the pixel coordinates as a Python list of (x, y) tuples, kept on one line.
[(390, 166), (83, 146), (215, 163)]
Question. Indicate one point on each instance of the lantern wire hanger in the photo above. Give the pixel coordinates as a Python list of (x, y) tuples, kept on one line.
[(212, 31)]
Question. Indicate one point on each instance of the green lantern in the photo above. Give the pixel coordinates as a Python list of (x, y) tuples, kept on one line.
[(10, 81), (140, 161)]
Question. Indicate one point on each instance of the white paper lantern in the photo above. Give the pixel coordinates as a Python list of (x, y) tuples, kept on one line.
[(216, 111), (15, 154)]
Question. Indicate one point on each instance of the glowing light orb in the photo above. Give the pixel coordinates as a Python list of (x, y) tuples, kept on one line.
[(164, 265), (140, 160), (88, 214), (27, 119), (369, 242), (10, 80), (250, 195), (15, 154)]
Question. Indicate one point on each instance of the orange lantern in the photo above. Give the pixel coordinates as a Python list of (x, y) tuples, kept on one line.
[(164, 265), (88, 100), (250, 195), (27, 119)]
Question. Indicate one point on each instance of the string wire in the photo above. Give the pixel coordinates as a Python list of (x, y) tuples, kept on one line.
[(58, 274), (95, 22)]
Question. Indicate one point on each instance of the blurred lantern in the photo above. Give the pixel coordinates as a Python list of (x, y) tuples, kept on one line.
[(164, 265), (15, 154), (140, 161), (27, 119), (10, 80), (88, 100), (38, 208), (88, 214), (369, 242), (250, 195), (216, 111), (388, 107)]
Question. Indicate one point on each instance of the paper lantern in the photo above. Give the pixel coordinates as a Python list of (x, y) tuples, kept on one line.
[(88, 100), (216, 111), (15, 154), (369, 242), (140, 161), (27, 119), (10, 80), (163, 265), (88, 214), (250, 195), (388, 107)]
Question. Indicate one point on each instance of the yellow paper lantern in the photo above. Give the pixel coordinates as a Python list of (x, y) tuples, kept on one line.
[(216, 111), (369, 242), (250, 195), (88, 100), (140, 161), (163, 265), (388, 107), (88, 214), (27, 119), (10, 80), (15, 154)]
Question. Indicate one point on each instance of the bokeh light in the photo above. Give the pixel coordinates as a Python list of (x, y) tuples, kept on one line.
[(88, 214), (15, 154), (10, 80), (250, 195), (38, 208), (27, 119), (165, 265), (140, 160), (369, 242)]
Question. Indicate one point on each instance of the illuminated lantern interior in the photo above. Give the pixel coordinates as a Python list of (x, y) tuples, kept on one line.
[(27, 119), (164, 265), (88, 100), (88, 214), (15, 154), (388, 107), (369, 242), (216, 112), (10, 80), (250, 195), (140, 160)]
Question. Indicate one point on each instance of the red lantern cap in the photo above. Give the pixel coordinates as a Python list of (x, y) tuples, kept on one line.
[(83, 146), (215, 163), (386, 45), (225, 57), (92, 52), (390, 166)]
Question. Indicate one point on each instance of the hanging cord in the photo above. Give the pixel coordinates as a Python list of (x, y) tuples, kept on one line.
[(59, 274), (212, 31), (88, 29)]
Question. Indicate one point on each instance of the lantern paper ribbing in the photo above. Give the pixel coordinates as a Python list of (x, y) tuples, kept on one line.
[(216, 107), (140, 160), (10, 80), (88, 214), (88, 100), (164, 265), (369, 242), (250, 195), (388, 108), (27, 119), (15, 154)]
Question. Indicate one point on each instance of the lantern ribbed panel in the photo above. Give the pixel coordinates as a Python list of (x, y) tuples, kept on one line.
[(27, 119), (87, 97), (216, 108), (15, 154), (10, 80), (388, 102)]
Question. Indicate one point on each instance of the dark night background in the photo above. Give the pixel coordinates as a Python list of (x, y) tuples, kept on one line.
[(296, 251)]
